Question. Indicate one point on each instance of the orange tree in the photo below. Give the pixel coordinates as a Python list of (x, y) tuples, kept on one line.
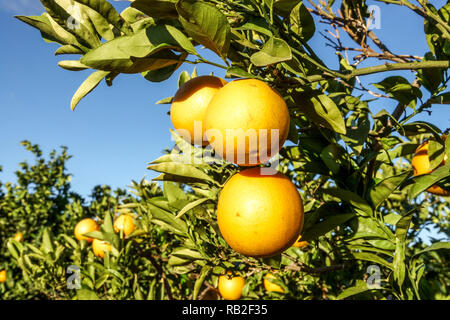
[(364, 208)]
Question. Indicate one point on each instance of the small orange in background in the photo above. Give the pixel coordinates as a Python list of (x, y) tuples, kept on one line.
[(189, 105), (421, 165), (230, 286), (270, 286), (2, 276), (99, 247), (300, 244), (124, 223), (18, 236), (85, 226)]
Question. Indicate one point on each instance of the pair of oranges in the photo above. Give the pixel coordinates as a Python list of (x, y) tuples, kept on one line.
[(123, 223), (259, 211), (230, 286)]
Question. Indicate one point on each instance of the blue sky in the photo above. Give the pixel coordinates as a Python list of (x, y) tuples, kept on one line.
[(115, 131)]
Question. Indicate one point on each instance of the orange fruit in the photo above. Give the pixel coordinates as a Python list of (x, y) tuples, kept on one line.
[(189, 105), (124, 223), (243, 119), (300, 244), (85, 226), (270, 286), (259, 215), (421, 165), (230, 287), (2, 276), (18, 237), (99, 247)]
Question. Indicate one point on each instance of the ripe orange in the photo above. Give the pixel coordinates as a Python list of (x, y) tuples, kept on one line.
[(241, 119), (270, 286), (189, 104), (124, 223), (421, 165), (85, 226), (2, 276), (230, 287), (259, 215), (300, 244), (99, 247), (18, 236)]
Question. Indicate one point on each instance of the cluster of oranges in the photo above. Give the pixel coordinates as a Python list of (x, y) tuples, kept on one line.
[(123, 223), (259, 213)]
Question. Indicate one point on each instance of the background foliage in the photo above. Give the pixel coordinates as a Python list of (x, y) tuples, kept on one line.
[(352, 167)]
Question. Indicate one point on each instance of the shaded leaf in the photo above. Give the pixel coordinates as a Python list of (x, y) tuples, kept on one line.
[(275, 50), (206, 25)]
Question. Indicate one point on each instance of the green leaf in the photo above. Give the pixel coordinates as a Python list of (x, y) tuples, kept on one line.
[(63, 12), (321, 110), (52, 31), (162, 74), (157, 8), (167, 100), (284, 7), (423, 182), (400, 89), (329, 224), (173, 192), (240, 73), (108, 223), (274, 262), (369, 228), (47, 243), (86, 294), (372, 258), (190, 206), (275, 50), (95, 234), (186, 253), (358, 203), (206, 25), (108, 12), (443, 98), (359, 287), (399, 262), (358, 132), (136, 53), (68, 49), (87, 86), (382, 190), (168, 220), (436, 153), (302, 22), (199, 282), (183, 78), (433, 247), (72, 65), (257, 24), (13, 250), (182, 170), (420, 127)]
